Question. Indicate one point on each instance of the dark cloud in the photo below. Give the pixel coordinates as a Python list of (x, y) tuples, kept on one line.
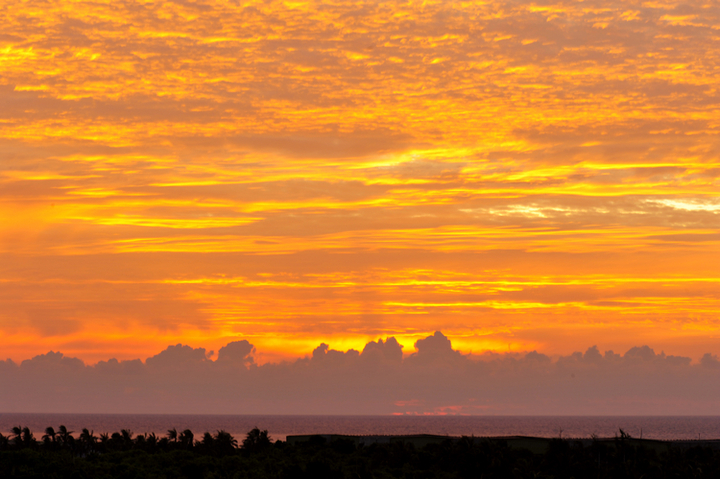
[(179, 357), (52, 361), (710, 361), (236, 353), (434, 350), (332, 357), (434, 379), (113, 366), (388, 351)]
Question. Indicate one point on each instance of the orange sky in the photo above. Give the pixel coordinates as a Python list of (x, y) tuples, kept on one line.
[(517, 175)]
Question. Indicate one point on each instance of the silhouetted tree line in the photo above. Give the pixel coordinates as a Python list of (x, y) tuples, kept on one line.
[(87, 443), (179, 454)]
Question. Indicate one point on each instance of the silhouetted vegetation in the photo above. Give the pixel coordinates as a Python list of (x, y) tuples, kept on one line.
[(61, 454)]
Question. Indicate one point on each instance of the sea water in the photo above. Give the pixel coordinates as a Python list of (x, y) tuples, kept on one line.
[(279, 427)]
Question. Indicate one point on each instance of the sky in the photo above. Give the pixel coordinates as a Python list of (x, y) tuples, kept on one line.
[(519, 176)]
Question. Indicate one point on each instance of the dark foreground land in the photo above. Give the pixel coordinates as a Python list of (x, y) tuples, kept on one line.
[(180, 455)]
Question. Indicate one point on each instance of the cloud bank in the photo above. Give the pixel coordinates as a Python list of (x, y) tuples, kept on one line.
[(434, 379)]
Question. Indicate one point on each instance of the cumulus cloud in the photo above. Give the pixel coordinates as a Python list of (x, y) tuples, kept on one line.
[(389, 350), (236, 353), (434, 379), (178, 357), (52, 361)]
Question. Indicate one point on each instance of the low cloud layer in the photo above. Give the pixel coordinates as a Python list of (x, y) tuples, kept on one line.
[(434, 379)]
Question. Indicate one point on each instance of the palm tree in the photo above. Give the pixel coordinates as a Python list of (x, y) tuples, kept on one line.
[(186, 438), (28, 439), (88, 437), (172, 435), (116, 442), (49, 436), (256, 440), (207, 443), (225, 443), (88, 440), (163, 443), (4, 442), (65, 437), (140, 441), (17, 436), (127, 438)]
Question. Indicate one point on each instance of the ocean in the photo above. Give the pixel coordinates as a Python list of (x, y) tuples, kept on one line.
[(279, 427)]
